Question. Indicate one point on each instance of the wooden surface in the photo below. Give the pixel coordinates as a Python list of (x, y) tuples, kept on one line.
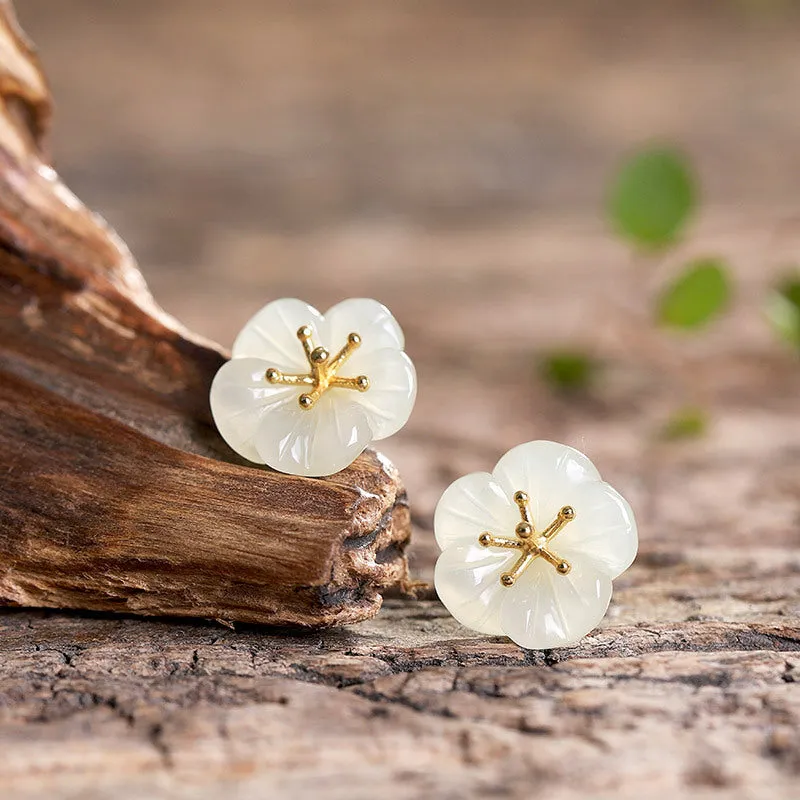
[(450, 160), (118, 494)]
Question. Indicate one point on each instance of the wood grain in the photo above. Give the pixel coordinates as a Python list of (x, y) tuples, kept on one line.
[(449, 158), (117, 492)]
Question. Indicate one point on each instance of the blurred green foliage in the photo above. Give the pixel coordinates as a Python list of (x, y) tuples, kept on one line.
[(700, 293), (783, 309), (568, 370), (653, 197), (689, 422)]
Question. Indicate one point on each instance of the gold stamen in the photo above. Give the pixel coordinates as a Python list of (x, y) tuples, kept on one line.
[(532, 547), (487, 540), (304, 334), (565, 515), (322, 369), (563, 567), (353, 343), (276, 376), (319, 355), (520, 565), (523, 530), (360, 384)]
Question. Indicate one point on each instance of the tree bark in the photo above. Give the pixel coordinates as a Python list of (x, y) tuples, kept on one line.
[(117, 492)]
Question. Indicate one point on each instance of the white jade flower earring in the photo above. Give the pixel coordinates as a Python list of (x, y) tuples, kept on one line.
[(285, 399), (531, 549)]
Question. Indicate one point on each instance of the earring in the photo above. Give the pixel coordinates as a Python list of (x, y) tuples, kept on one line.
[(530, 550), (305, 392)]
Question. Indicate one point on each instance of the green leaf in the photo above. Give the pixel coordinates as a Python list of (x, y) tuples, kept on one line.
[(783, 310), (652, 197), (686, 423), (696, 296), (568, 370)]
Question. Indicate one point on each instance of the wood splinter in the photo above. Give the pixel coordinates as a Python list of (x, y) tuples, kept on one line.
[(116, 492)]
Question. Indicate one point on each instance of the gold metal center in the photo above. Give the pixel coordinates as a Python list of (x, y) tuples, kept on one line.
[(531, 544), (322, 370)]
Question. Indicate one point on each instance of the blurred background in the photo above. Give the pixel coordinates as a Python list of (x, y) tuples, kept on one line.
[(459, 161)]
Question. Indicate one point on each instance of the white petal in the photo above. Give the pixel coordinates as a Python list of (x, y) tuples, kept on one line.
[(469, 507), (549, 472), (467, 579), (392, 388), (604, 529), (240, 398), (368, 318), (272, 334), (319, 441), (545, 609)]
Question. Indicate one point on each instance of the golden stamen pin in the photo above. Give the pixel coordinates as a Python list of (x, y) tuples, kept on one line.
[(531, 544), (322, 370)]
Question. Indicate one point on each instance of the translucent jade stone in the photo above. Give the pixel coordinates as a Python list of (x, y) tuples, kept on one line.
[(263, 418), (549, 603)]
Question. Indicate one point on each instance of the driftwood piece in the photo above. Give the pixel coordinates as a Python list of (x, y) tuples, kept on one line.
[(117, 493)]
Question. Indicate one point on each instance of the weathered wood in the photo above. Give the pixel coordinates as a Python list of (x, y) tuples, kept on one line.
[(449, 158), (408, 705), (117, 492)]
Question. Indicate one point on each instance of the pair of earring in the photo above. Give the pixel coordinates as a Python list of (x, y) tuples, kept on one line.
[(529, 550)]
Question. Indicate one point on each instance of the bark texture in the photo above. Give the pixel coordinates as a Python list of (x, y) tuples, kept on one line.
[(117, 492), (448, 158)]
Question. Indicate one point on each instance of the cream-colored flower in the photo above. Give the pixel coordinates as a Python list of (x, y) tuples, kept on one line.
[(531, 549), (305, 393)]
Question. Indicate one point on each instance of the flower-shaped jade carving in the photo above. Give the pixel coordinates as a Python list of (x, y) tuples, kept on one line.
[(305, 393), (530, 550)]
